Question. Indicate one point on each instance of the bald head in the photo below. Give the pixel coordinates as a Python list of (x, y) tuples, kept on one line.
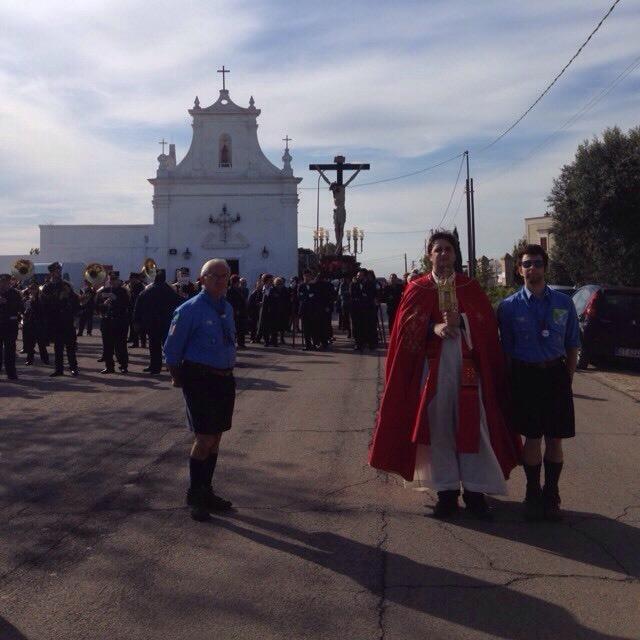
[(217, 265), (215, 277)]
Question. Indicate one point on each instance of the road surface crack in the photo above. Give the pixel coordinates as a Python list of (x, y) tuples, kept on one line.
[(380, 547)]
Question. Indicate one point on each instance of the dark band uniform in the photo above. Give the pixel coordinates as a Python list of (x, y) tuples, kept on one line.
[(113, 305), (201, 342), (61, 304), (536, 333), (11, 307), (307, 310), (363, 313), (34, 328)]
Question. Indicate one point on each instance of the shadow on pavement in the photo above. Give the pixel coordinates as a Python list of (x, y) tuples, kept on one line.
[(9, 632), (488, 607), (584, 537)]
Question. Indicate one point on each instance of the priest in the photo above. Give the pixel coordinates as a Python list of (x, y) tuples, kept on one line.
[(443, 421)]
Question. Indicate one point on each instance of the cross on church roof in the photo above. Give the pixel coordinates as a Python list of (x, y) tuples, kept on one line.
[(162, 142), (223, 71), (287, 139)]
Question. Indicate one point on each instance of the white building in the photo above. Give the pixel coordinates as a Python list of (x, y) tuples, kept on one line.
[(224, 199), (538, 230)]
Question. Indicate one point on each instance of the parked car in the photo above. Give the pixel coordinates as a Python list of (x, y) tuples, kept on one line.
[(563, 288), (609, 324)]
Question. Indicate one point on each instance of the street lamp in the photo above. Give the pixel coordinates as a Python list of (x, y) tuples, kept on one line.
[(355, 234)]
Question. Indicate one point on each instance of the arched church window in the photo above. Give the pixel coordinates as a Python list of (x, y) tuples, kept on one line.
[(224, 153)]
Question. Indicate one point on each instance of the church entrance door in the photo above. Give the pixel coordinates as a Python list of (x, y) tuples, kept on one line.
[(234, 265)]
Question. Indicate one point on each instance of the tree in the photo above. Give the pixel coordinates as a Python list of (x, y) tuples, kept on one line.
[(484, 273), (595, 206), (517, 247)]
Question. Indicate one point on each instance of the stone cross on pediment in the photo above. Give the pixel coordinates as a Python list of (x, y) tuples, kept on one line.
[(226, 221)]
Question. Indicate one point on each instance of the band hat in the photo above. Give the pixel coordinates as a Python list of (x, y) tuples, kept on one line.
[(54, 266), (133, 275), (5, 276), (114, 274)]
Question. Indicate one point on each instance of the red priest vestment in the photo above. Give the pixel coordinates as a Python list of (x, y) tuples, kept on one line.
[(402, 421)]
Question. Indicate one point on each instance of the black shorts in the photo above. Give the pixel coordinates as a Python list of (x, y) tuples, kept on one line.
[(542, 401), (209, 400)]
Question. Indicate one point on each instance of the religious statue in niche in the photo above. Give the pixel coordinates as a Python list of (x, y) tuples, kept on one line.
[(224, 156)]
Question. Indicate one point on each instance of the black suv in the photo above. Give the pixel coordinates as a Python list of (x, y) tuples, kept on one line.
[(609, 324)]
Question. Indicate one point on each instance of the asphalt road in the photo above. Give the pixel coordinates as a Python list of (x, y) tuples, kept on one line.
[(95, 541)]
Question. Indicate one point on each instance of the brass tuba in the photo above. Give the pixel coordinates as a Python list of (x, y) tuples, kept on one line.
[(22, 269), (149, 269), (95, 274)]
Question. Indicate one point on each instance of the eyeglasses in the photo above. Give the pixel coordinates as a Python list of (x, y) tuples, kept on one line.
[(533, 263), (217, 276)]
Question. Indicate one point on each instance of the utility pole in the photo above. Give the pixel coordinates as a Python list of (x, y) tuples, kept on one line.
[(470, 223), (473, 229), (405, 264)]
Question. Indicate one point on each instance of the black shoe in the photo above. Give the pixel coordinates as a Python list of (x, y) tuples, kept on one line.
[(447, 505), (28, 362), (208, 500), (100, 359), (55, 374), (215, 503), (124, 370), (199, 510), (147, 370), (551, 505), (533, 507), (89, 333), (74, 373), (476, 504), (22, 351), (108, 370)]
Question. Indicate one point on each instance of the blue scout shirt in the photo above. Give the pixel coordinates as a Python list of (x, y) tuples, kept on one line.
[(536, 329), (202, 331)]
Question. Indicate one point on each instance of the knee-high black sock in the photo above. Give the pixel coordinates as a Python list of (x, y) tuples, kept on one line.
[(532, 471), (552, 471), (211, 467), (197, 473)]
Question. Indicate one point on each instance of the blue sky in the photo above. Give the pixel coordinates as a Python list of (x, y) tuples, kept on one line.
[(88, 91)]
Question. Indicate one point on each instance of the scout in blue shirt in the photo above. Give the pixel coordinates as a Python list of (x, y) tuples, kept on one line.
[(539, 334), (200, 353)]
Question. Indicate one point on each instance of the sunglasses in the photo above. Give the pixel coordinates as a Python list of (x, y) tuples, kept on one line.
[(533, 263)]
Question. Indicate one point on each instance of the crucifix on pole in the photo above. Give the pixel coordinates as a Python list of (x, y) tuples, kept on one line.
[(163, 142), (338, 189)]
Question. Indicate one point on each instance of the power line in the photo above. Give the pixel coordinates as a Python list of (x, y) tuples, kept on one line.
[(590, 104), (404, 175), (603, 93), (458, 207), (550, 85), (455, 186)]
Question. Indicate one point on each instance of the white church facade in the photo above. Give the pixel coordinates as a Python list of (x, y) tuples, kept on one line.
[(224, 199)]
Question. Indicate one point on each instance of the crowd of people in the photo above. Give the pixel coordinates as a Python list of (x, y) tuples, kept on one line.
[(463, 384), (134, 314)]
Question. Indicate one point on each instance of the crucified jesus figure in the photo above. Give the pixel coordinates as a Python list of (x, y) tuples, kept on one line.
[(339, 212)]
